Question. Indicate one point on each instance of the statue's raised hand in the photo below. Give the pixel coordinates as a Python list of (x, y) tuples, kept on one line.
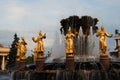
[(33, 38)]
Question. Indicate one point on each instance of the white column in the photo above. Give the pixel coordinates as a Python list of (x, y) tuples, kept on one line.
[(3, 63)]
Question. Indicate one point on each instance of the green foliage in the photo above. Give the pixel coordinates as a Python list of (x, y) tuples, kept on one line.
[(30, 59), (12, 55)]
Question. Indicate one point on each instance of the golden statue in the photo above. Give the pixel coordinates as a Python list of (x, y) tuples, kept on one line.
[(23, 48), (40, 45), (102, 40), (69, 42)]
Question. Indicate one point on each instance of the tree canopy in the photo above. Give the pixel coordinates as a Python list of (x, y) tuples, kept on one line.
[(13, 52)]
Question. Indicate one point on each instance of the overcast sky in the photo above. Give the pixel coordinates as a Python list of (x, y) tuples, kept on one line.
[(28, 17)]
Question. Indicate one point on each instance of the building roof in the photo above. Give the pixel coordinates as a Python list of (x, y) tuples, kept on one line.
[(117, 36), (4, 50)]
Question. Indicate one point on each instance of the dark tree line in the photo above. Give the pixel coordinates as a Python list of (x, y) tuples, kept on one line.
[(12, 54)]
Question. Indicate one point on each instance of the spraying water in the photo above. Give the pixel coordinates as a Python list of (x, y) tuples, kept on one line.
[(58, 49), (85, 46)]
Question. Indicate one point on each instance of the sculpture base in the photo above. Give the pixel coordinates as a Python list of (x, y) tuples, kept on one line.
[(105, 60), (40, 55), (23, 63), (39, 64), (17, 64), (70, 63)]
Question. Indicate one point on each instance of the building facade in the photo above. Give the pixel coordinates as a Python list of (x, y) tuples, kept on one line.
[(3, 56)]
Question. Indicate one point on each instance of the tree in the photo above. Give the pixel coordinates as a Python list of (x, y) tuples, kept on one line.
[(30, 59), (13, 52)]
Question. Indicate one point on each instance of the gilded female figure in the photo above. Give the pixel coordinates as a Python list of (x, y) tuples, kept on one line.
[(23, 48), (40, 44), (69, 42), (102, 39)]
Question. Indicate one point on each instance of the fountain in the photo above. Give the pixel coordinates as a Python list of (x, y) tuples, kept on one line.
[(79, 63)]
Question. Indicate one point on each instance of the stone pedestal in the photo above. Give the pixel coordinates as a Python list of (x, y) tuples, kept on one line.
[(39, 64), (22, 63), (105, 60), (17, 64), (70, 63)]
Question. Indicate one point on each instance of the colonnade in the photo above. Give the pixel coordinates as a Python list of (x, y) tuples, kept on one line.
[(4, 53)]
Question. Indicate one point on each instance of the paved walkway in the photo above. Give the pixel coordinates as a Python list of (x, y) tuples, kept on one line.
[(4, 77)]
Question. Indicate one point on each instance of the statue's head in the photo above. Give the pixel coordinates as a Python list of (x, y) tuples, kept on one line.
[(40, 33), (69, 30), (22, 38), (102, 28)]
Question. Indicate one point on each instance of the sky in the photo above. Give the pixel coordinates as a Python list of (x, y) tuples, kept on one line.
[(28, 17)]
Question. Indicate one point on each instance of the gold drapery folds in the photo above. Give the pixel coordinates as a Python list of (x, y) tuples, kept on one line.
[(69, 42), (21, 49)]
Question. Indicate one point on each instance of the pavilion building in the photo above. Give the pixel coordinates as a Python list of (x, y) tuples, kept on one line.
[(117, 39), (3, 56)]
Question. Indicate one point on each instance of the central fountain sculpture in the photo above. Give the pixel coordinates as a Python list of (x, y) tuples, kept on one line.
[(84, 26), (78, 34), (104, 59)]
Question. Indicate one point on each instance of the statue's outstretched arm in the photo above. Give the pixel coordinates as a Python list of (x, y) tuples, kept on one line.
[(108, 35), (24, 41), (34, 40), (97, 33), (44, 36)]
